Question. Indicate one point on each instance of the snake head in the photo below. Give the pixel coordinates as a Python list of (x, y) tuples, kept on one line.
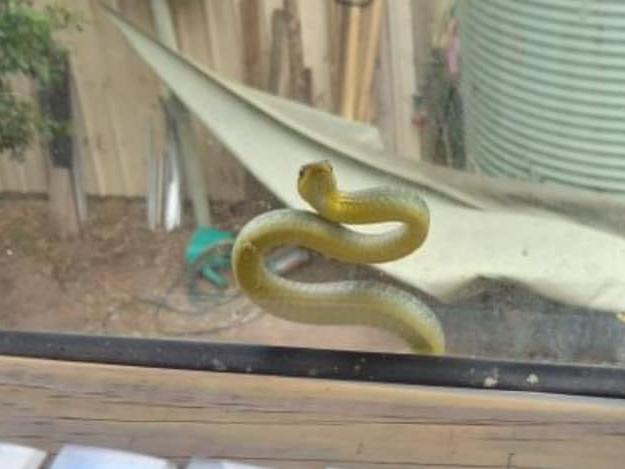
[(316, 183)]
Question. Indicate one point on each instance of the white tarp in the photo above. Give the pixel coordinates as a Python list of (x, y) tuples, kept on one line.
[(565, 244)]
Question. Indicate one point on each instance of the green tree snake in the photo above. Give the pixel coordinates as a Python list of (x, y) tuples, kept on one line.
[(346, 302)]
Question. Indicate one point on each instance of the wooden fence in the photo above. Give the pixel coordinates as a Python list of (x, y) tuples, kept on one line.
[(117, 98)]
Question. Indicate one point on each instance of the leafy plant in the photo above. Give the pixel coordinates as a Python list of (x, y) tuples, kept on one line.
[(28, 48)]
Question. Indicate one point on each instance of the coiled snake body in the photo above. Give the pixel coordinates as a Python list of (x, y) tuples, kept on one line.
[(346, 302)]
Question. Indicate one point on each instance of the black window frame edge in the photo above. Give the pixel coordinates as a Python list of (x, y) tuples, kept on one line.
[(296, 362)]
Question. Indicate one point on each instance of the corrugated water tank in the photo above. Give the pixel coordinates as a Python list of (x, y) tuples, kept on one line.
[(543, 84)]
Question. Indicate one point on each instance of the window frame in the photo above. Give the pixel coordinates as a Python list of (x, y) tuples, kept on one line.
[(299, 362)]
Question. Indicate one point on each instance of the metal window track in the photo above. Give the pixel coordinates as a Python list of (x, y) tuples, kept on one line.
[(447, 371)]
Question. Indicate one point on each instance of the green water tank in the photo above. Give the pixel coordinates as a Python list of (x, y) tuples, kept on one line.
[(543, 86)]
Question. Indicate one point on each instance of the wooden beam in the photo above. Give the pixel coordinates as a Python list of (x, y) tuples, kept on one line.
[(62, 202), (422, 18), (304, 423), (299, 77), (225, 37), (372, 32), (317, 54), (398, 85), (277, 58), (334, 22), (251, 42), (55, 102), (80, 153), (349, 83)]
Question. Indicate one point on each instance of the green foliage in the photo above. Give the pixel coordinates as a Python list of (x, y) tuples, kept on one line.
[(28, 48)]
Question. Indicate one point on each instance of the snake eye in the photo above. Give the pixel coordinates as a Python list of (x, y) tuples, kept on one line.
[(301, 172)]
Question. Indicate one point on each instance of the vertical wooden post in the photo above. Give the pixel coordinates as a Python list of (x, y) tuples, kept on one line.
[(368, 69), (55, 103), (333, 12), (350, 62), (422, 17), (250, 29), (398, 81), (78, 170), (62, 202), (278, 39), (301, 86)]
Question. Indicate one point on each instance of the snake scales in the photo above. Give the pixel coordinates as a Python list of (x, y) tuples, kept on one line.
[(345, 302)]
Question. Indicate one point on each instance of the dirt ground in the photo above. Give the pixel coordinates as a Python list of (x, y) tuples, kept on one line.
[(121, 278)]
